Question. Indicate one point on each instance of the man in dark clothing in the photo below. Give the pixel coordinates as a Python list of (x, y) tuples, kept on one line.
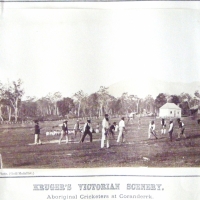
[(112, 130), (181, 129), (64, 132), (37, 133), (170, 131), (87, 129)]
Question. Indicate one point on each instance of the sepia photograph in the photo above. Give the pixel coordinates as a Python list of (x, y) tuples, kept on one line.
[(99, 86), (99, 100)]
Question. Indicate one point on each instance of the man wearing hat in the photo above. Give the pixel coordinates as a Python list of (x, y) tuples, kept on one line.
[(181, 129), (87, 129), (105, 131), (64, 132), (37, 133)]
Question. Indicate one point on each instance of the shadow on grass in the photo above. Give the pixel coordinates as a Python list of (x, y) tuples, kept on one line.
[(23, 164), (193, 136)]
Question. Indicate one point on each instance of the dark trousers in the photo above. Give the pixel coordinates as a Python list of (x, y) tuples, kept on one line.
[(112, 134), (84, 135), (182, 130), (170, 135)]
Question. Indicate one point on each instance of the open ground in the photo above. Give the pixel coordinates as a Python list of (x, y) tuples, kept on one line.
[(18, 151)]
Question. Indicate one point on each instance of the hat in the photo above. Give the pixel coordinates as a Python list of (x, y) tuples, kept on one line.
[(106, 115)]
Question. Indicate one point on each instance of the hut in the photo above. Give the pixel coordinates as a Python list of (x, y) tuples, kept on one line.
[(170, 110)]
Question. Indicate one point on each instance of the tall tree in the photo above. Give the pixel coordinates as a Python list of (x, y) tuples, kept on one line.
[(103, 97), (14, 94), (174, 99), (185, 97), (65, 106), (149, 103), (78, 97), (160, 100), (93, 104)]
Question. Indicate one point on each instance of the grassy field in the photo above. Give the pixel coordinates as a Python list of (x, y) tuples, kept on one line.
[(18, 152)]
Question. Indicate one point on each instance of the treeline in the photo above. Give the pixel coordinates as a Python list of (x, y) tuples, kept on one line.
[(54, 106)]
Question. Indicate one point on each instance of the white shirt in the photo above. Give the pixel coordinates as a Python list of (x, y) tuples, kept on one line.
[(105, 125), (121, 124), (171, 126), (152, 126), (182, 124)]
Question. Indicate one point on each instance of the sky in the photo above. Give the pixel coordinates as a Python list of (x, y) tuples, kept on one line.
[(73, 47)]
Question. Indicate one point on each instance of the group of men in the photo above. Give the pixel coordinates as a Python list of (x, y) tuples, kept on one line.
[(108, 130), (170, 130)]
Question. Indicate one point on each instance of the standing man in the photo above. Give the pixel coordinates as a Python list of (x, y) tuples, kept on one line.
[(152, 131), (121, 130), (64, 132), (139, 121), (105, 131), (37, 133), (171, 126), (112, 130), (77, 129), (163, 126), (87, 129), (181, 129)]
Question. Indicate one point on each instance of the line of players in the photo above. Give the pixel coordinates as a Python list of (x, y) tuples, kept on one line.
[(170, 130), (109, 130)]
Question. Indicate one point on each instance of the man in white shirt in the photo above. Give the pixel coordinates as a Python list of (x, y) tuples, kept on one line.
[(105, 131), (121, 130), (171, 126), (152, 130)]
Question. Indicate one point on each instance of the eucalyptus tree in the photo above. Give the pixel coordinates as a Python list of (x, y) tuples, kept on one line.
[(65, 106), (78, 98), (103, 98), (149, 103), (13, 93), (160, 100), (92, 104), (28, 108)]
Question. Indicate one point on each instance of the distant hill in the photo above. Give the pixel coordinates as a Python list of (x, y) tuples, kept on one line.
[(142, 88)]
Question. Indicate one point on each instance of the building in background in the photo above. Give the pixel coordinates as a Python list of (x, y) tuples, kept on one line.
[(170, 110)]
